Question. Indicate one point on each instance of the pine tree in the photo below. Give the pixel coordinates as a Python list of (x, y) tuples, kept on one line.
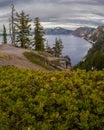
[(23, 29), (4, 35), (57, 49), (38, 36)]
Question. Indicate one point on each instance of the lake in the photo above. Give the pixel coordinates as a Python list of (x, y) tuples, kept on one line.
[(74, 47)]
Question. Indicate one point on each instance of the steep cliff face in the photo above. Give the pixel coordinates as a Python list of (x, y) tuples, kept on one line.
[(95, 56), (96, 35), (82, 31)]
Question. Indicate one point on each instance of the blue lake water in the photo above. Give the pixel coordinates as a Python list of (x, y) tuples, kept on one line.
[(74, 47)]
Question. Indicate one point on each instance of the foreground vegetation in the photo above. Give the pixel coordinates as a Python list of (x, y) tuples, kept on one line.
[(37, 59), (38, 100)]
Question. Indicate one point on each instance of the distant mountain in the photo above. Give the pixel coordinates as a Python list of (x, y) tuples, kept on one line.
[(96, 35), (57, 31), (85, 32), (82, 31)]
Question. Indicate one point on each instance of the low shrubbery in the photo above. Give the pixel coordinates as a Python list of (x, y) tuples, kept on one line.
[(38, 100), (38, 59)]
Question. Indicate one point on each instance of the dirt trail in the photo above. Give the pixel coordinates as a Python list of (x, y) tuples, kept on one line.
[(14, 56)]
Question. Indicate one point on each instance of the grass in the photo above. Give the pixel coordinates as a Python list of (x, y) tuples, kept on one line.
[(37, 59), (4, 56), (42, 53)]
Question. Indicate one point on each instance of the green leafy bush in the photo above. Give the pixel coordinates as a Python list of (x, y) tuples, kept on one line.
[(38, 59), (36, 100)]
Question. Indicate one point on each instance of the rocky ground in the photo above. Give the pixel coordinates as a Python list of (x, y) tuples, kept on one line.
[(10, 55)]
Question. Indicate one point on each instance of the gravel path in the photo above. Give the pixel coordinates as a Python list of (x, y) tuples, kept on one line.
[(16, 58)]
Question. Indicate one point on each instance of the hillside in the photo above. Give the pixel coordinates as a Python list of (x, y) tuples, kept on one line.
[(94, 58), (26, 58), (95, 35), (82, 31), (13, 56)]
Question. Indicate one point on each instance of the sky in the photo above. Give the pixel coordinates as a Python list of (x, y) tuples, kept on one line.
[(69, 14)]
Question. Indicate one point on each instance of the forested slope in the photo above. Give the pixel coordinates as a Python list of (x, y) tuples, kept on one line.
[(94, 58)]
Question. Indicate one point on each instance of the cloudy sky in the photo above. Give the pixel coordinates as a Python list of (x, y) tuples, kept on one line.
[(52, 13)]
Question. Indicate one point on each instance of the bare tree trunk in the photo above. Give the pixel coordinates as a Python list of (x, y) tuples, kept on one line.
[(12, 24)]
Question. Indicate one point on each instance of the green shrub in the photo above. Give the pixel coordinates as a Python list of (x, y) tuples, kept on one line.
[(36, 100), (38, 59)]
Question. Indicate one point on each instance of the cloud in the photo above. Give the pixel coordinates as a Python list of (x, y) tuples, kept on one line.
[(66, 13)]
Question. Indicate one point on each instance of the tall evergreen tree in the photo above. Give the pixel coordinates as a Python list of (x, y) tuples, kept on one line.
[(57, 49), (23, 29), (38, 36), (4, 35)]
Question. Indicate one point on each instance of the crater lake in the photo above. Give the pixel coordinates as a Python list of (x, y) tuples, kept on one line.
[(75, 47)]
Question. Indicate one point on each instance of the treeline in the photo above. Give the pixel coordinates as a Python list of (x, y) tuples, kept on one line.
[(35, 100), (21, 34)]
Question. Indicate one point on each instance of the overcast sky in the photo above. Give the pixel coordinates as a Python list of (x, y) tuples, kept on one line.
[(52, 13)]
